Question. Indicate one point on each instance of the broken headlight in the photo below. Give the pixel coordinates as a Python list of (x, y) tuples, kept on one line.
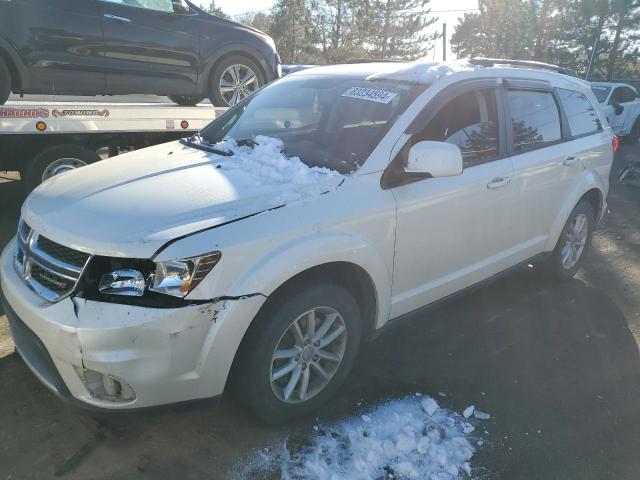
[(179, 277), (173, 277)]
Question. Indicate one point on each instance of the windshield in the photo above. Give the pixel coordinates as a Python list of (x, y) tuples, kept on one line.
[(333, 122), (601, 93)]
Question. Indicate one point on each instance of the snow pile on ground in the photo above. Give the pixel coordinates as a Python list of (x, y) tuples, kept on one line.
[(266, 163), (411, 438), (424, 71)]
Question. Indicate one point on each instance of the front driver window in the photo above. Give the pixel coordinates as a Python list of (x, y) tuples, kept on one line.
[(470, 121), (158, 5)]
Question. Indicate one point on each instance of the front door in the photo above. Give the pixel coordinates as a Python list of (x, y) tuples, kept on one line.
[(621, 104), (453, 232), (149, 48), (60, 43)]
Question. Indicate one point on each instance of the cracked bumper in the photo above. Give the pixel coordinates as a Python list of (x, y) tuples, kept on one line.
[(166, 355)]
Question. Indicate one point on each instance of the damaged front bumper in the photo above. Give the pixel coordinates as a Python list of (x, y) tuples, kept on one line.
[(115, 356)]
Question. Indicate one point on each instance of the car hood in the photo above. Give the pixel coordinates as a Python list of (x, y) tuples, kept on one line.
[(132, 204)]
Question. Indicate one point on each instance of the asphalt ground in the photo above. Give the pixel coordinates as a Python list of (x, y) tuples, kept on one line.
[(556, 365)]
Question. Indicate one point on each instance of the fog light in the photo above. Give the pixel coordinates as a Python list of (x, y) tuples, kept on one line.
[(106, 386)]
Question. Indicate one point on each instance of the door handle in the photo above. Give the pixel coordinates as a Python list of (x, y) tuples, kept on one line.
[(570, 161), (498, 182), (117, 18)]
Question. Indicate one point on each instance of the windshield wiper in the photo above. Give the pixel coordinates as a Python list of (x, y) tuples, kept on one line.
[(198, 142), (247, 142)]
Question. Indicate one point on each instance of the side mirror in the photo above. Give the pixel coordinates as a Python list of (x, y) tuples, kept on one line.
[(617, 108), (180, 6), (435, 159)]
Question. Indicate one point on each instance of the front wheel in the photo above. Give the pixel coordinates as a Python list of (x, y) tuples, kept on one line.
[(185, 100), (298, 352), (233, 79), (566, 259), (5, 82)]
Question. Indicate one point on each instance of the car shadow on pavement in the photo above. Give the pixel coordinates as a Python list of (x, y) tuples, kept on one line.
[(554, 364)]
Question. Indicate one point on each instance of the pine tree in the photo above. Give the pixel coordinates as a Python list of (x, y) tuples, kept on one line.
[(214, 10), (293, 31)]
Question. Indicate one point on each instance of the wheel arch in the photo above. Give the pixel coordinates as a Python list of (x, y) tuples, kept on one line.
[(592, 189), (229, 51), (12, 65)]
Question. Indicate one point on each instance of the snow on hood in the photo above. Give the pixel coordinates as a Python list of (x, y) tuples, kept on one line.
[(410, 438), (423, 71), (132, 204)]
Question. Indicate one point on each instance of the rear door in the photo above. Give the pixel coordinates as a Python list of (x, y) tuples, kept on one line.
[(59, 42), (149, 48), (547, 157)]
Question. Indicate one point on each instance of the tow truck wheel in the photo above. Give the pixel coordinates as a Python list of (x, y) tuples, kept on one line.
[(233, 79), (185, 100), (56, 160), (5, 82)]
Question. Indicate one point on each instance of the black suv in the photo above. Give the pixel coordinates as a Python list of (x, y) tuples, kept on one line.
[(112, 47)]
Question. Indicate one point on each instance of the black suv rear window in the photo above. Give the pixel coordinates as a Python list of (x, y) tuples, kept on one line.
[(581, 115)]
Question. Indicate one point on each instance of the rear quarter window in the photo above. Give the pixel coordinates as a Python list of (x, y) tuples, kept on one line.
[(581, 114)]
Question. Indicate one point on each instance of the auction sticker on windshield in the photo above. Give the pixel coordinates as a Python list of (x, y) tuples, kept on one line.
[(370, 94)]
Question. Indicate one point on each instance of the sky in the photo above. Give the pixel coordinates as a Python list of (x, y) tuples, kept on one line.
[(449, 11)]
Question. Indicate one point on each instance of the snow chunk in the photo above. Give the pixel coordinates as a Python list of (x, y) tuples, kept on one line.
[(429, 405), (398, 440), (481, 415), (468, 411), (424, 71), (266, 165)]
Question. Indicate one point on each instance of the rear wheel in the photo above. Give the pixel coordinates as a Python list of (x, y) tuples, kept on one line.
[(298, 352), (55, 160), (186, 100), (5, 82), (233, 79), (566, 259)]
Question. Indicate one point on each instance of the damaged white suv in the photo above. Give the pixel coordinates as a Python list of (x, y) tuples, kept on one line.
[(259, 253)]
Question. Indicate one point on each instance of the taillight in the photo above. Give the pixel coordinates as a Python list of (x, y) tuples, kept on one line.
[(615, 144)]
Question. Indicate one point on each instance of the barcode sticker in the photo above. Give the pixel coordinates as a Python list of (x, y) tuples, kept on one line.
[(370, 94)]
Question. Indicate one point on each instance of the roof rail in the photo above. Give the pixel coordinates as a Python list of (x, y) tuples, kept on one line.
[(371, 60), (491, 62)]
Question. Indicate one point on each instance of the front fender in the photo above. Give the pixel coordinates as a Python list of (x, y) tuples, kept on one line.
[(588, 181), (284, 262)]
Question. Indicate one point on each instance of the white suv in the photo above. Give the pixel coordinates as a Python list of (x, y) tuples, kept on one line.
[(259, 253)]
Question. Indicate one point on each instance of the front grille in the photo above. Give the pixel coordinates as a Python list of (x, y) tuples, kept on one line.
[(66, 254), (50, 269)]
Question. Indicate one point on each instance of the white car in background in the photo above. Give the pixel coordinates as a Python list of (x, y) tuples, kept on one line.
[(330, 205), (621, 105)]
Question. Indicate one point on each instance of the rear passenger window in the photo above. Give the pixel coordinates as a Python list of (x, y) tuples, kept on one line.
[(534, 118), (469, 121), (581, 115)]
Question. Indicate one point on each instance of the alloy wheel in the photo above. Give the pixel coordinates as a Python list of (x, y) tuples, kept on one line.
[(575, 241), (308, 355), (61, 165), (237, 82)]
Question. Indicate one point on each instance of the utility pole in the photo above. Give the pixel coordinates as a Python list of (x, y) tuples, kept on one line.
[(593, 53), (444, 42)]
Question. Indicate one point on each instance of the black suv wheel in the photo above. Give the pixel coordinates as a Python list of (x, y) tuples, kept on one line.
[(234, 79), (5, 82)]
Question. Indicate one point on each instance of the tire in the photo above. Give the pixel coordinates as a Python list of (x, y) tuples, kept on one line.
[(255, 366), (222, 72), (5, 82), (555, 266), (186, 100), (56, 159)]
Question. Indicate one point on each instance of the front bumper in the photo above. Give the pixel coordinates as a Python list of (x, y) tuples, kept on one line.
[(166, 355)]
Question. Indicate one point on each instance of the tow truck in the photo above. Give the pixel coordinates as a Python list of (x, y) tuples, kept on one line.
[(43, 139)]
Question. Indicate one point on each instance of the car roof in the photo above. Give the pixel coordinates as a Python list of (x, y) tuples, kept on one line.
[(611, 84), (427, 72)]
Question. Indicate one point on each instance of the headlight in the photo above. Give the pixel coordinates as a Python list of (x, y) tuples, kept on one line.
[(174, 277), (179, 277)]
